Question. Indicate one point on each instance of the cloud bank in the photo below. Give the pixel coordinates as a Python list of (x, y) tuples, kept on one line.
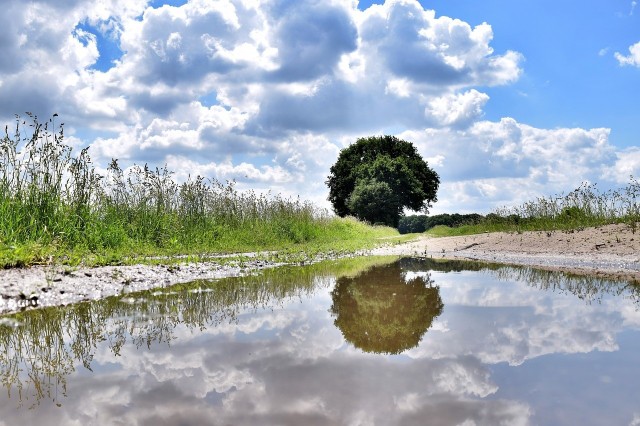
[(267, 92)]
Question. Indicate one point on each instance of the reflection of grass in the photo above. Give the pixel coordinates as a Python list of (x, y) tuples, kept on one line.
[(353, 266), (55, 206), (588, 288), (38, 355), (584, 207)]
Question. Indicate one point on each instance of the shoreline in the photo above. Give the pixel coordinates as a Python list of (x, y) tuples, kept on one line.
[(611, 251), (41, 286)]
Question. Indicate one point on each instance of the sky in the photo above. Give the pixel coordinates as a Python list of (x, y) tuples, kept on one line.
[(507, 101)]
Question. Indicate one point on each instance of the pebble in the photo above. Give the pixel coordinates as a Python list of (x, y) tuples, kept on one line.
[(43, 286)]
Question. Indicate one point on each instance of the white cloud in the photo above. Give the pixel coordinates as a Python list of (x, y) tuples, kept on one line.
[(402, 38), (268, 92), (627, 164), (273, 175), (507, 162), (457, 109), (633, 58)]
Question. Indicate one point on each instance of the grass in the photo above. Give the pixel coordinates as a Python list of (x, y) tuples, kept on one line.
[(583, 207), (56, 208)]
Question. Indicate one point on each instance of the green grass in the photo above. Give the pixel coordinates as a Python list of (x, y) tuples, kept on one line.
[(56, 208), (584, 207)]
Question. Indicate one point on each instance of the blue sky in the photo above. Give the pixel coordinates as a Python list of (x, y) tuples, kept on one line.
[(506, 100)]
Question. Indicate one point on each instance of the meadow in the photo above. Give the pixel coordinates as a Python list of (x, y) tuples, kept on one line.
[(55, 207)]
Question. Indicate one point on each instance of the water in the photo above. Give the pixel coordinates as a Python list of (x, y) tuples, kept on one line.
[(367, 341)]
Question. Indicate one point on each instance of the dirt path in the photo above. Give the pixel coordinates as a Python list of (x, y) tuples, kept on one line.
[(611, 250)]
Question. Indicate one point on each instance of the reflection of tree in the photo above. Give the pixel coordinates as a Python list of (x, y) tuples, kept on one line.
[(380, 311)]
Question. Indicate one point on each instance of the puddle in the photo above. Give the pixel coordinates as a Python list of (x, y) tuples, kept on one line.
[(382, 341)]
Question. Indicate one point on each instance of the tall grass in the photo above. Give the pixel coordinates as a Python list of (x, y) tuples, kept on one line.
[(53, 203), (585, 206)]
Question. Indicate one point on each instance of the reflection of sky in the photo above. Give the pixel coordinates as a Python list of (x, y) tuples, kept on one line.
[(510, 322), (500, 353)]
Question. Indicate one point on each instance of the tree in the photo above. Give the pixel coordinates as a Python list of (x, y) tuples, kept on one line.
[(374, 201), (377, 177)]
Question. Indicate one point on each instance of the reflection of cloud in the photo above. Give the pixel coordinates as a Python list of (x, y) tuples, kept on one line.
[(516, 324), (288, 364), (470, 413), (267, 382), (281, 367)]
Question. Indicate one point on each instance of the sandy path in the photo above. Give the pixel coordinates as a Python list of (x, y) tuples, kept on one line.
[(611, 250)]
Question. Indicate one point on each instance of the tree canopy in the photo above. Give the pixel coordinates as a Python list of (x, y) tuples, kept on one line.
[(377, 177)]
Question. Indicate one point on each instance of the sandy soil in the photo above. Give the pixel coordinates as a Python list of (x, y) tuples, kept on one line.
[(611, 250)]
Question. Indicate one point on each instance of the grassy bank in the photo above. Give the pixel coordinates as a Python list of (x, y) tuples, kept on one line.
[(584, 207), (56, 207)]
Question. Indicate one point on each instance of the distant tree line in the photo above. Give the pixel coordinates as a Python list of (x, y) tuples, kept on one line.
[(422, 223)]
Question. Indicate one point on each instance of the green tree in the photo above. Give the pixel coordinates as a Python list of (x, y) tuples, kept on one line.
[(377, 177), (374, 201)]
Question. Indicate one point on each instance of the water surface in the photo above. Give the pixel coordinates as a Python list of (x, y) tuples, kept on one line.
[(368, 341)]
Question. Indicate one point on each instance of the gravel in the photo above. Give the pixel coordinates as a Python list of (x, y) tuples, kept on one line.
[(56, 286)]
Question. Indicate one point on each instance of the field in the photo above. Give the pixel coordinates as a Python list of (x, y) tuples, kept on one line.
[(56, 208)]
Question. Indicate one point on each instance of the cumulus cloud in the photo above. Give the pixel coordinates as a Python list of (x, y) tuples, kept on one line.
[(457, 109), (507, 162), (633, 58), (413, 44), (627, 164), (268, 92)]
